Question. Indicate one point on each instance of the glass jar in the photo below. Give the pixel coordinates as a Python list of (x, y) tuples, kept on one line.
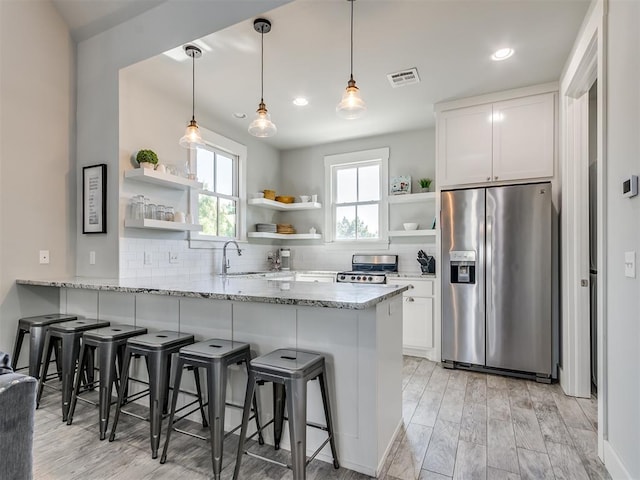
[(150, 211), (160, 212), (169, 214)]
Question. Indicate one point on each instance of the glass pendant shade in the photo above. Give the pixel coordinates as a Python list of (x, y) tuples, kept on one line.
[(262, 126), (191, 138), (351, 106)]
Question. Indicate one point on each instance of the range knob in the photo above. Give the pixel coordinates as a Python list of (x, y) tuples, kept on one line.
[(353, 278), (342, 277), (359, 278), (370, 279)]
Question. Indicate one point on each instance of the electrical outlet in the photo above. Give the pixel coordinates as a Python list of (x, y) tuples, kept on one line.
[(92, 257), (630, 264), (148, 258), (44, 257), (173, 257)]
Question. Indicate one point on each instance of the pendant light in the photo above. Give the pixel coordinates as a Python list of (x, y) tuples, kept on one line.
[(351, 106), (262, 126), (192, 138)]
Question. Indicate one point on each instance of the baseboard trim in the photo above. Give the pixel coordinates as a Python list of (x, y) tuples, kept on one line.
[(613, 464)]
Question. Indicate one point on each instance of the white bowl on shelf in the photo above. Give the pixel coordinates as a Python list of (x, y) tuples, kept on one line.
[(410, 226), (305, 198)]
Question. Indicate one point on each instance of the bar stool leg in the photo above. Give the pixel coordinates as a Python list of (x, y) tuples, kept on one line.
[(328, 419), (69, 358), (297, 407), (124, 379), (196, 375), (158, 366), (174, 402), (16, 351), (217, 385), (36, 341), (247, 359), (107, 365), (76, 384), (279, 401), (246, 413), (48, 349)]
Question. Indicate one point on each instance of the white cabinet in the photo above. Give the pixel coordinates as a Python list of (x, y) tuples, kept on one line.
[(418, 332), (507, 140)]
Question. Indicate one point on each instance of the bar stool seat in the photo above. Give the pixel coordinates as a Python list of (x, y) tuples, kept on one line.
[(110, 343), (215, 355), (36, 327), (68, 335), (157, 348), (289, 370)]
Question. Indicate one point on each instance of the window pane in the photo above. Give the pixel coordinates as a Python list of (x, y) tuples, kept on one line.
[(208, 214), (224, 175), (204, 165), (227, 218), (369, 183), (367, 221), (346, 185), (346, 223)]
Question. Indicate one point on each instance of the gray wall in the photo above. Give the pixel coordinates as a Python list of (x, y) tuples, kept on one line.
[(37, 168), (623, 232), (99, 60)]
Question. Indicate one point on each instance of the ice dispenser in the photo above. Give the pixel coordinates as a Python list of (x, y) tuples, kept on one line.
[(463, 266)]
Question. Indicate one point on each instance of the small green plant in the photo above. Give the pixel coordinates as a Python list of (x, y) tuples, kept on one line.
[(425, 182), (148, 156)]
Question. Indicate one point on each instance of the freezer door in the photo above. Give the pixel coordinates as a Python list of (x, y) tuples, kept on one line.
[(518, 264), (463, 319)]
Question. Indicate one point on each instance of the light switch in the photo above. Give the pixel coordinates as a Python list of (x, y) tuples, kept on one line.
[(44, 257), (630, 264), (148, 258), (92, 257), (173, 257)]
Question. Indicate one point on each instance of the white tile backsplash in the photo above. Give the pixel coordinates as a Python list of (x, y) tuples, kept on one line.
[(199, 261)]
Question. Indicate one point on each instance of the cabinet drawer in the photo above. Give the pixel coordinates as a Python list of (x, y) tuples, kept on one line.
[(417, 288)]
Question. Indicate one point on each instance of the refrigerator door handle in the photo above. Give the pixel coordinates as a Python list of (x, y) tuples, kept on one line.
[(489, 265)]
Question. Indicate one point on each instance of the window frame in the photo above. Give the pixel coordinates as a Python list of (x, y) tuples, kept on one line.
[(223, 145), (333, 163)]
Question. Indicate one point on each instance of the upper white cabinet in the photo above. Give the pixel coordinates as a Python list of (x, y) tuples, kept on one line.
[(507, 140)]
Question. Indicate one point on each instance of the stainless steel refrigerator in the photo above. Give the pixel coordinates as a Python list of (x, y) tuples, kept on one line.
[(497, 278)]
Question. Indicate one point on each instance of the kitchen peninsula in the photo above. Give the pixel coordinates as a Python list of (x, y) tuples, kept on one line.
[(357, 327)]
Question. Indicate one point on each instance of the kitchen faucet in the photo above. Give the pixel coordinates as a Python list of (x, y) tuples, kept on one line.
[(225, 262)]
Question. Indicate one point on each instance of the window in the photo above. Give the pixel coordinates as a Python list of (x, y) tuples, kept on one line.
[(218, 206), (355, 188)]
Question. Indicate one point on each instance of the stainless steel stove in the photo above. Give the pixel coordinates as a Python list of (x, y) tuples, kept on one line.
[(369, 269)]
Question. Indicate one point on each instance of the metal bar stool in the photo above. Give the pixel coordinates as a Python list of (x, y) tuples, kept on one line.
[(37, 328), (110, 343), (215, 355), (68, 335), (157, 349), (289, 371)]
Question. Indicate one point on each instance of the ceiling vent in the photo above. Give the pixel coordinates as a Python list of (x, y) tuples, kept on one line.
[(404, 77)]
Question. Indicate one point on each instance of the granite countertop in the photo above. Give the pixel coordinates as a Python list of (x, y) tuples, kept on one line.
[(239, 289)]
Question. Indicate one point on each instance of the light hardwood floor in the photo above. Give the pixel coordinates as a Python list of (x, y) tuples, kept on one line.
[(457, 424)]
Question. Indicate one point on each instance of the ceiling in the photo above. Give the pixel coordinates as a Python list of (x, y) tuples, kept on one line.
[(307, 54)]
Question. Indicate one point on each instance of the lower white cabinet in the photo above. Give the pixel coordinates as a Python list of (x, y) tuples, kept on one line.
[(418, 338)]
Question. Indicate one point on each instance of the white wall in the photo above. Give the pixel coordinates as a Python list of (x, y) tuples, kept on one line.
[(37, 166), (623, 233), (100, 58)]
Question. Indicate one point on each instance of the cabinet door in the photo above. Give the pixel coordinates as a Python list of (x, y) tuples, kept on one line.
[(464, 145), (417, 322), (523, 138)]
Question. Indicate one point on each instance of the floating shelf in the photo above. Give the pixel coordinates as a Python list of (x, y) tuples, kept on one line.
[(285, 236), (163, 179), (283, 207), (412, 197), (412, 233), (162, 225)]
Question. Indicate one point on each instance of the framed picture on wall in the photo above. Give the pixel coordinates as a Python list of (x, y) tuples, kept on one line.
[(94, 199)]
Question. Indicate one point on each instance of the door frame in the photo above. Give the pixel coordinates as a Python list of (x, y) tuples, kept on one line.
[(586, 64)]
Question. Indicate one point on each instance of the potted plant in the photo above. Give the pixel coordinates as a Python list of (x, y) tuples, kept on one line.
[(147, 159), (425, 183)]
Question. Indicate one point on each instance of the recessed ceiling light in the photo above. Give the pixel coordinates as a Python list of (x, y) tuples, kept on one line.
[(301, 102), (502, 54), (240, 115)]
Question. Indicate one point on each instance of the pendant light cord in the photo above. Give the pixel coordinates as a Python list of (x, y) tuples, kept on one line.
[(193, 86), (262, 64), (351, 38)]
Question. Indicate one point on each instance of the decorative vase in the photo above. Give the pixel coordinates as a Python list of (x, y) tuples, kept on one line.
[(424, 189), (147, 165)]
